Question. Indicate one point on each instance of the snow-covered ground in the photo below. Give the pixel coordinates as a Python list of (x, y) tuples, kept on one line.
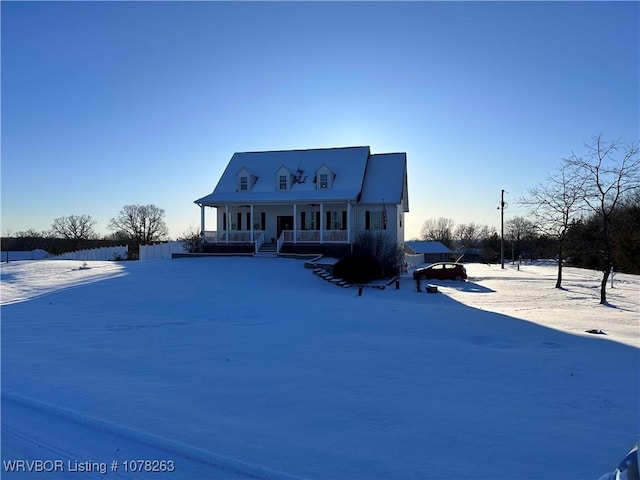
[(256, 368)]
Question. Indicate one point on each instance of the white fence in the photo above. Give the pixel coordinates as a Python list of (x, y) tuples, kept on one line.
[(37, 254), (103, 254), (160, 251)]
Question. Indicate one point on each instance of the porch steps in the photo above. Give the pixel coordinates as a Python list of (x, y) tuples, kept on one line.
[(267, 250), (330, 278), (268, 247), (266, 255)]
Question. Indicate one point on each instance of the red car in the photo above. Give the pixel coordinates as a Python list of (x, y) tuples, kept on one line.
[(441, 271)]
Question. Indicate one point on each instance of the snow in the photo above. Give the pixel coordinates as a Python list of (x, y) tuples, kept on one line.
[(36, 254), (348, 164), (421, 246), (385, 179), (235, 367)]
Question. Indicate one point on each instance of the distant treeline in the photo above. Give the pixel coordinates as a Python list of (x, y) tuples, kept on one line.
[(585, 245), (55, 246)]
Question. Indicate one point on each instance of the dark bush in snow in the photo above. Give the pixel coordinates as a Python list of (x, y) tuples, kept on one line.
[(375, 255)]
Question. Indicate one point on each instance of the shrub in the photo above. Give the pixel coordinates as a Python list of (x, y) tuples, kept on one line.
[(191, 240), (375, 256)]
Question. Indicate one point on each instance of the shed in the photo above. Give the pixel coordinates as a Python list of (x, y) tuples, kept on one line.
[(432, 251)]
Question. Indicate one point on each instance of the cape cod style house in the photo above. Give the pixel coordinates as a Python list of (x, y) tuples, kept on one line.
[(306, 201)]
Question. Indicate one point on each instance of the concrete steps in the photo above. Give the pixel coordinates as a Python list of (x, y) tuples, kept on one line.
[(267, 250)]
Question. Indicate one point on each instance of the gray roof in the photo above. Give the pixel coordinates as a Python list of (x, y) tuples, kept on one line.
[(386, 180), (427, 247), (357, 174)]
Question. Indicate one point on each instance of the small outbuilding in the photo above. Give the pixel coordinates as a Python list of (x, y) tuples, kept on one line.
[(432, 251)]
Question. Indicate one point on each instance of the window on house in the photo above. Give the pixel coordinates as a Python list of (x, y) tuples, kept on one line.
[(308, 220), (283, 182), (324, 180), (336, 220), (375, 220), (244, 184)]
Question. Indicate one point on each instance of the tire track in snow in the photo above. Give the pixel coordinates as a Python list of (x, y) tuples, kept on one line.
[(33, 430)]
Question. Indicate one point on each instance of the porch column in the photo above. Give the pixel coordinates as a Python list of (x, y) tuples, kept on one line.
[(295, 221), (251, 221), (202, 222), (228, 222), (348, 222), (321, 222)]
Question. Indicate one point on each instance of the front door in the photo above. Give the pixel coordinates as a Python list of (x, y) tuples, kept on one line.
[(285, 222)]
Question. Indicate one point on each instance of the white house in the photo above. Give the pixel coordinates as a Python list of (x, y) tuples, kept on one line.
[(306, 201)]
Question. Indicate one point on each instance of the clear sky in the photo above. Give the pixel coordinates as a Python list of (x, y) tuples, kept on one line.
[(106, 104)]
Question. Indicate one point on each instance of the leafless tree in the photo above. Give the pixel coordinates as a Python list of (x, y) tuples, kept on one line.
[(609, 172), (469, 235), (75, 227), (438, 230), (30, 239), (519, 229), (143, 224), (555, 204)]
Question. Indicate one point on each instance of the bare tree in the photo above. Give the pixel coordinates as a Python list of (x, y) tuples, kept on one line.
[(143, 224), (519, 229), (75, 227), (30, 239), (607, 178), (469, 235), (438, 230), (554, 206)]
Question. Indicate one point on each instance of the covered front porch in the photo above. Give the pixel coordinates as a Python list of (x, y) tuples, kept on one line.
[(278, 227)]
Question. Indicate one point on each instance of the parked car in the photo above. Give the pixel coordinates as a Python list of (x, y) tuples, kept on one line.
[(627, 469), (441, 271)]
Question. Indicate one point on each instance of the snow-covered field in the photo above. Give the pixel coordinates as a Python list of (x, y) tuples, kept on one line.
[(256, 368)]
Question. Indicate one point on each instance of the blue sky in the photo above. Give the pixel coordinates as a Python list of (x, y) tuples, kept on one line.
[(106, 104)]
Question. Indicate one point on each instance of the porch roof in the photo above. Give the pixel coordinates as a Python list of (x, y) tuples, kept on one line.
[(212, 200)]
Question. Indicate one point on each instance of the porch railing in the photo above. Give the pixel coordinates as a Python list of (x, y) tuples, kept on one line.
[(280, 241), (259, 240), (314, 236), (233, 236)]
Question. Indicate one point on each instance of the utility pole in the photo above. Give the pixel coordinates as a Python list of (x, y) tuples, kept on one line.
[(502, 229)]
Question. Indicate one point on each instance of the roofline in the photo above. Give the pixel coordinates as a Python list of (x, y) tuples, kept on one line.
[(308, 149), (388, 153), (280, 202)]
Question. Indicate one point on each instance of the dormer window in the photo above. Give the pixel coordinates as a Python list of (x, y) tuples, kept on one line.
[(324, 181), (324, 178), (284, 179), (245, 180)]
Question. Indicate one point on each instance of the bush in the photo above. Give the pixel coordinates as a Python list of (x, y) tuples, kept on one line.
[(191, 240), (375, 256)]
